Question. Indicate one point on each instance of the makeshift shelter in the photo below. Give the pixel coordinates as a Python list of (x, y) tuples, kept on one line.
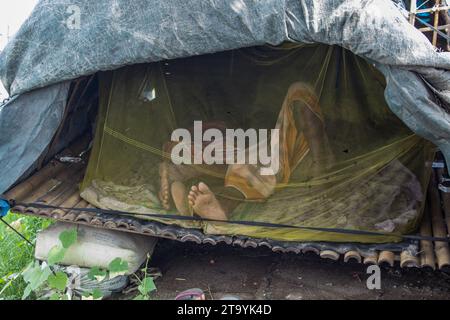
[(358, 95)]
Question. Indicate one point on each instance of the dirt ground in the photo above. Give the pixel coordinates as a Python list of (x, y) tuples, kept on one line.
[(262, 274)]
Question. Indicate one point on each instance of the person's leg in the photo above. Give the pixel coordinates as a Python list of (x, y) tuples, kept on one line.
[(207, 205), (173, 178)]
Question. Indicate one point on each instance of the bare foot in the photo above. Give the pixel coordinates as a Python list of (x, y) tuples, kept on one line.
[(205, 203), (179, 195), (164, 185)]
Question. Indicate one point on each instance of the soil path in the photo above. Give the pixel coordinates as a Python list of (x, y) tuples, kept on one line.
[(262, 274)]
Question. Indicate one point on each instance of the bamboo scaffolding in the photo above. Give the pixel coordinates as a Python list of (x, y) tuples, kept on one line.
[(437, 10)]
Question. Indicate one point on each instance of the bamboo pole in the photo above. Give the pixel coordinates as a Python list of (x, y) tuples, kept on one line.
[(407, 260), (386, 257), (70, 202), (51, 184), (437, 222), (24, 188), (436, 22), (426, 247), (52, 169), (72, 214), (68, 182), (440, 8), (412, 12), (446, 205)]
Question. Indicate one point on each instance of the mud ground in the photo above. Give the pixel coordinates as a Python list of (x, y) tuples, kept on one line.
[(262, 274)]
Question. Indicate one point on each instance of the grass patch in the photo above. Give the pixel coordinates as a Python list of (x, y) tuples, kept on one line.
[(16, 253)]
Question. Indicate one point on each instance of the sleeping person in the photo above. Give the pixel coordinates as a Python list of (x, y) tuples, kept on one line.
[(301, 133)]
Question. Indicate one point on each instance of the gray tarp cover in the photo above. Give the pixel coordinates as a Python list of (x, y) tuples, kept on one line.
[(52, 47), (27, 125)]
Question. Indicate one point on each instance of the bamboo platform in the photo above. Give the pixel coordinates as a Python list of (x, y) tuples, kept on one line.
[(440, 19), (57, 184)]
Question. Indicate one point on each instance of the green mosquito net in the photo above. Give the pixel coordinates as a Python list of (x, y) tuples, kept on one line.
[(294, 135)]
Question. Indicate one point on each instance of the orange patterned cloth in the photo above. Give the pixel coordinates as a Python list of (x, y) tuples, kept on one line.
[(292, 149)]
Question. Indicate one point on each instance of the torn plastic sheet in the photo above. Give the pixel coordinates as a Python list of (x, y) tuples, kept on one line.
[(27, 124)]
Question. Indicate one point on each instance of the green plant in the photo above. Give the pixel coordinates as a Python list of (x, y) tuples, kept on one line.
[(16, 253), (116, 267), (31, 279), (38, 275), (146, 284)]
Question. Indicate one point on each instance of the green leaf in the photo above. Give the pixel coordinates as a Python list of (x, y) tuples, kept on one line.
[(54, 296), (140, 297), (27, 273), (147, 285), (117, 267), (95, 273), (97, 294), (36, 275), (58, 281), (56, 254), (26, 292), (68, 237)]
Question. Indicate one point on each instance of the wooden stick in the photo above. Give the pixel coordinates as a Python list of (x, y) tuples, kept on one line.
[(437, 222)]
